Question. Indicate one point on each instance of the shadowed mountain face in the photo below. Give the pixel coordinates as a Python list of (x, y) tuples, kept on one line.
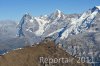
[(30, 56)]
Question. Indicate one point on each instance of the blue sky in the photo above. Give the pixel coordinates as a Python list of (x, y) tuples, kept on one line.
[(14, 9)]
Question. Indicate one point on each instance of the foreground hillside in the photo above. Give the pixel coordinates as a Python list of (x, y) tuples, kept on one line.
[(30, 56)]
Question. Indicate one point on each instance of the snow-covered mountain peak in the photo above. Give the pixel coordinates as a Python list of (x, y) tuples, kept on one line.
[(57, 24), (27, 16), (98, 7), (58, 11), (57, 15), (81, 24), (26, 21)]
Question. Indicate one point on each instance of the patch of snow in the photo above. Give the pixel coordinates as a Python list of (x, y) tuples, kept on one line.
[(31, 20), (55, 32)]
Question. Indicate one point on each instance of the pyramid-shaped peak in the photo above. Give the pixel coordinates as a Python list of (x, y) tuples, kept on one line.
[(57, 10), (58, 13), (27, 15)]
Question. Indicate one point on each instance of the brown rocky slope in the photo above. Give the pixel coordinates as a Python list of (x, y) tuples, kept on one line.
[(30, 56)]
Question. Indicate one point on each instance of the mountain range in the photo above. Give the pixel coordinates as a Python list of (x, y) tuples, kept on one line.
[(79, 34)]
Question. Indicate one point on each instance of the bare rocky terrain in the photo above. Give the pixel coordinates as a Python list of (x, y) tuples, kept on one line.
[(30, 56)]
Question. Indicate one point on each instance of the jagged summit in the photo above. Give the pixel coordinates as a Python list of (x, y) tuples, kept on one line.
[(40, 26), (98, 7), (27, 15), (58, 11), (57, 15), (25, 19)]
